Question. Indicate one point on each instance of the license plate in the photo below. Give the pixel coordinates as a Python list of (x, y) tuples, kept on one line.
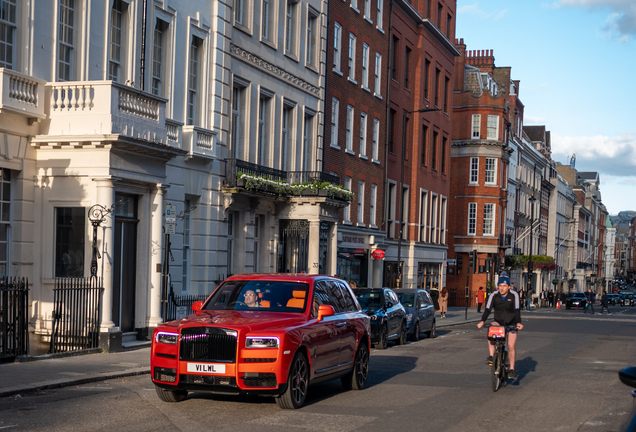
[(206, 368)]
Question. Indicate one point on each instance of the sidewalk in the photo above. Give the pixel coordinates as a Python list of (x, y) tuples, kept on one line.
[(47, 372)]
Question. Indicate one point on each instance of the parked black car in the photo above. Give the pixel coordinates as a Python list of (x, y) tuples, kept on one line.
[(420, 312), (388, 316), (627, 298), (576, 299), (613, 299)]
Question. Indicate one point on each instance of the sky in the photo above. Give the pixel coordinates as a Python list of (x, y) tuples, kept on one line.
[(576, 60)]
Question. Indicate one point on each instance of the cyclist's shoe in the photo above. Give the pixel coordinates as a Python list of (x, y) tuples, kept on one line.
[(489, 361), (512, 374)]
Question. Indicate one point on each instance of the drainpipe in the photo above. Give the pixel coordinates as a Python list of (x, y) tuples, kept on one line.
[(143, 46)]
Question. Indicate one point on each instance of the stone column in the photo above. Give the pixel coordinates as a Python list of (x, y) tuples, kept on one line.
[(332, 250), (157, 240), (377, 272), (106, 198), (313, 257)]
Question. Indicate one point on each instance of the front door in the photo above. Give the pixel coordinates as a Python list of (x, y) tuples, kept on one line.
[(124, 273)]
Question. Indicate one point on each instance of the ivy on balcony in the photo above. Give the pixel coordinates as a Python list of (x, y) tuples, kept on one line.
[(539, 262), (282, 188)]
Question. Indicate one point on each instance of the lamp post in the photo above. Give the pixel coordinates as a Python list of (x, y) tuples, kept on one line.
[(532, 199), (399, 251)]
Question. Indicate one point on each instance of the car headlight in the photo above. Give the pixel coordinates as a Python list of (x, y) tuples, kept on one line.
[(409, 317), (261, 342), (167, 338), (373, 317)]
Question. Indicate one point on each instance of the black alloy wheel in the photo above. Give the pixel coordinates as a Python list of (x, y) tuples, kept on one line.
[(383, 343), (432, 333), (171, 395), (403, 334), (297, 383), (416, 331), (357, 378)]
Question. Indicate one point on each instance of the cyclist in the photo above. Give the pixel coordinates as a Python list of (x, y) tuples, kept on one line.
[(506, 304)]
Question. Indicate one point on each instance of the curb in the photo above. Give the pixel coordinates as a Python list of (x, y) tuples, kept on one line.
[(53, 384), (476, 320)]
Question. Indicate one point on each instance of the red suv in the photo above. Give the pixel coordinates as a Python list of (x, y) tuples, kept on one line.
[(264, 334)]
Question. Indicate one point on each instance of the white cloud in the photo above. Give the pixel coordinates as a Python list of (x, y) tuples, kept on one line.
[(480, 13), (621, 22), (528, 119), (612, 155)]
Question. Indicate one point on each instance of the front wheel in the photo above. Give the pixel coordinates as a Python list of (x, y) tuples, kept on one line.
[(495, 377), (171, 395), (357, 378), (297, 383), (416, 332), (383, 343), (402, 339), (431, 334)]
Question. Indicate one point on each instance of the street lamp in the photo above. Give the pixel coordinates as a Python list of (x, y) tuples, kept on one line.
[(532, 199), (401, 192)]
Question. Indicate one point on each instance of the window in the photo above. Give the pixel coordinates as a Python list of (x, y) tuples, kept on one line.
[(434, 151), (491, 170), (446, 95), (373, 204), (443, 222), (472, 218), (360, 202), (7, 33), (476, 126), (449, 21), (474, 170), (423, 214), (424, 143), (439, 15), (391, 130), (436, 88), (405, 133), (379, 15), (394, 58), (376, 140), (308, 141), (264, 129), (434, 228), (493, 127), (312, 34), (367, 9), (427, 73), (230, 241), (352, 56), (378, 73), (335, 112), (286, 135), (240, 12), (489, 219), (193, 78), (365, 66), (443, 152), (265, 17), (158, 57), (185, 265), (65, 38), (390, 226), (237, 120), (363, 135), (70, 231), (337, 45), (405, 213), (290, 27), (407, 60), (257, 248), (116, 42), (354, 4), (5, 221), (347, 209), (348, 140)]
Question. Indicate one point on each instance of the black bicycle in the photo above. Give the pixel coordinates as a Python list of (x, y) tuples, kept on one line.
[(500, 365)]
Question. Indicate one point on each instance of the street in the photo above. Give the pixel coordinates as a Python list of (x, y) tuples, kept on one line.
[(567, 365)]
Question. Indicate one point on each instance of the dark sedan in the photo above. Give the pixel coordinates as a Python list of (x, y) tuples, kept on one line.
[(576, 299), (388, 316), (420, 312), (627, 298)]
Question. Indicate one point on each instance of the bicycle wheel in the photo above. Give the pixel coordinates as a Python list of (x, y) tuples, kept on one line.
[(504, 369), (495, 377)]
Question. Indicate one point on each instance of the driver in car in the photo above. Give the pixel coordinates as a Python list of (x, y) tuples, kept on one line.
[(251, 299)]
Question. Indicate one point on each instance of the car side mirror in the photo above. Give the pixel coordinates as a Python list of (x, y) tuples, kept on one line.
[(628, 376), (196, 306), (325, 311)]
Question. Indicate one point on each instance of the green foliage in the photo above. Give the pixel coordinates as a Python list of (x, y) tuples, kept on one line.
[(539, 262), (282, 188)]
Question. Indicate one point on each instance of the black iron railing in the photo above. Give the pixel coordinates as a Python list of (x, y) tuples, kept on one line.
[(14, 302), (181, 306), (76, 314), (234, 166), (311, 176)]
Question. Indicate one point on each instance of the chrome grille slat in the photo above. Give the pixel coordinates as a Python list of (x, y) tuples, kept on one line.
[(207, 344)]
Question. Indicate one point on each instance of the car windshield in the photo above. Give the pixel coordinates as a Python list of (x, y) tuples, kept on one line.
[(266, 295), (574, 295), (407, 299), (370, 299)]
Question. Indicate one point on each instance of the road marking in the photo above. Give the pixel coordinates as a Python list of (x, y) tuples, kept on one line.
[(8, 426), (71, 373)]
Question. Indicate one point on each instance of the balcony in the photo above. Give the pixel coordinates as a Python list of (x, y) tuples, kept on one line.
[(264, 180), (199, 142), (22, 94)]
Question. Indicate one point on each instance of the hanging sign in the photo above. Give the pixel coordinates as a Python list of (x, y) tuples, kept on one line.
[(377, 254)]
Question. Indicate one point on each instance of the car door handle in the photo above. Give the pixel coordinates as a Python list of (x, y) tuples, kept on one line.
[(341, 324)]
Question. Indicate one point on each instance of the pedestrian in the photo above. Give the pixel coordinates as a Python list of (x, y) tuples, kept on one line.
[(604, 303), (443, 302), (551, 298), (480, 298), (590, 301), (528, 300), (353, 284)]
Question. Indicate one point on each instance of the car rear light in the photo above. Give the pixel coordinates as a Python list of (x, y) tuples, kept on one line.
[(165, 374), (167, 338), (261, 342)]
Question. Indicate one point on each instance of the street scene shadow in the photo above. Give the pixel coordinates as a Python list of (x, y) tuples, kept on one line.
[(523, 368)]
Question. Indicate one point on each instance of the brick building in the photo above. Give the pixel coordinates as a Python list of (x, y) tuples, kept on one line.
[(356, 135), (479, 163), (421, 68)]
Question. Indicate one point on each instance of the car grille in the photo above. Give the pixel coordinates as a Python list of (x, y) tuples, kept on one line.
[(207, 343), (263, 380), (208, 379)]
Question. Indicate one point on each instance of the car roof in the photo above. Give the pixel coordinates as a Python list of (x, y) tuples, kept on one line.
[(297, 277), (407, 290)]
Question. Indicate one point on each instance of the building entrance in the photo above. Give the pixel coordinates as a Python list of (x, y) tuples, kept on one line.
[(124, 268)]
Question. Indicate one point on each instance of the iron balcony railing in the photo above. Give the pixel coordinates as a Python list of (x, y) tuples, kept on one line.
[(312, 176), (234, 166)]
